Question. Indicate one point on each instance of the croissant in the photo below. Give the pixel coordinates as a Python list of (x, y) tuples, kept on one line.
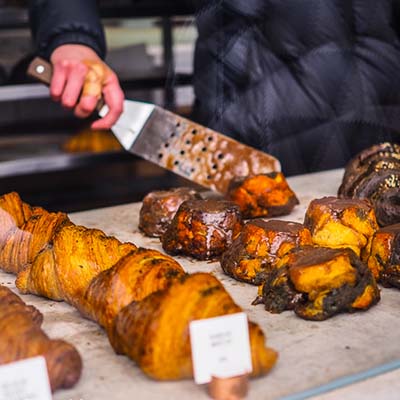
[(63, 271), (130, 292), (21, 337), (13, 213), (21, 245), (135, 276), (156, 336)]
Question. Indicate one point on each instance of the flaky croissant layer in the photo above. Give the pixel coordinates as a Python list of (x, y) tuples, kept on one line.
[(143, 298), (21, 337), (156, 336)]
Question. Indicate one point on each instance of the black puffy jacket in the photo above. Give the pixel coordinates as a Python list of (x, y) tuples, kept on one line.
[(310, 81), (57, 22)]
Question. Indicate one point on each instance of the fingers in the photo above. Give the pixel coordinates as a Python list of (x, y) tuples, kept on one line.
[(92, 88), (114, 98), (67, 81), (73, 87), (86, 106), (58, 81), (80, 85)]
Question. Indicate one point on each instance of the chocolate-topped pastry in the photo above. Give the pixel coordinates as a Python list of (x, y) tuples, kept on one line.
[(387, 205), (263, 195), (203, 229), (319, 282), (384, 260), (259, 246), (336, 223), (159, 208), (375, 174)]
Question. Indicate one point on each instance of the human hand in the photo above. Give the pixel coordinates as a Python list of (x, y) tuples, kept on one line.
[(80, 79)]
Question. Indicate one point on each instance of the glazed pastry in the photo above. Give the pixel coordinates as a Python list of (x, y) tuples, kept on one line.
[(253, 255), (159, 208), (21, 337), (134, 277), (203, 229), (337, 223), (264, 195), (156, 336), (319, 282), (374, 174), (384, 260)]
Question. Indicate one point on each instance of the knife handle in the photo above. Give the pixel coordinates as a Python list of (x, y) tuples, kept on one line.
[(42, 70)]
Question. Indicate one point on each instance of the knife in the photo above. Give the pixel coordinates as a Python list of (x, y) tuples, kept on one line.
[(186, 148)]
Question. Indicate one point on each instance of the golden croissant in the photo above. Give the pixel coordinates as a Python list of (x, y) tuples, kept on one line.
[(22, 337), (155, 334), (125, 289), (64, 270)]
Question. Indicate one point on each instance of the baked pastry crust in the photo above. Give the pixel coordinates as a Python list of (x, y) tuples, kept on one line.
[(263, 195), (374, 174), (384, 259), (155, 335), (159, 208), (254, 254), (21, 337), (336, 222), (319, 282), (203, 229)]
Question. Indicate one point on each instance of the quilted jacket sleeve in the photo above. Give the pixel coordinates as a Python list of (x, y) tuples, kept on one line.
[(57, 22), (396, 16)]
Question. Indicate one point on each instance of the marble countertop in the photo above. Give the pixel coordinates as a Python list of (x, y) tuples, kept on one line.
[(313, 356)]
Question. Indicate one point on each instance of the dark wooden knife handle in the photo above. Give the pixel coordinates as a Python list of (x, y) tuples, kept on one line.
[(42, 70)]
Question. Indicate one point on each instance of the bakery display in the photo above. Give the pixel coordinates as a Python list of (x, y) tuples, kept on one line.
[(21, 337), (203, 229), (133, 293), (336, 223), (159, 208), (253, 255), (319, 282), (384, 259), (263, 195), (156, 336), (374, 174)]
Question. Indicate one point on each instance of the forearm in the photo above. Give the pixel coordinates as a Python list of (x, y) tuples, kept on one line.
[(58, 22)]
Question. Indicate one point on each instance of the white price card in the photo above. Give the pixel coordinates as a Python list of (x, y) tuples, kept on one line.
[(25, 380), (220, 347)]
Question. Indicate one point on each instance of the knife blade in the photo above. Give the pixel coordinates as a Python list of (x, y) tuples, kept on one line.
[(178, 144)]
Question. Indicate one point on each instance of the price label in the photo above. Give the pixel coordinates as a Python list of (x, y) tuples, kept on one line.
[(220, 347), (25, 380)]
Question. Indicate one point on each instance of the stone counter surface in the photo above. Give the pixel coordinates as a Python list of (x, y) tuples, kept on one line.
[(310, 353)]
